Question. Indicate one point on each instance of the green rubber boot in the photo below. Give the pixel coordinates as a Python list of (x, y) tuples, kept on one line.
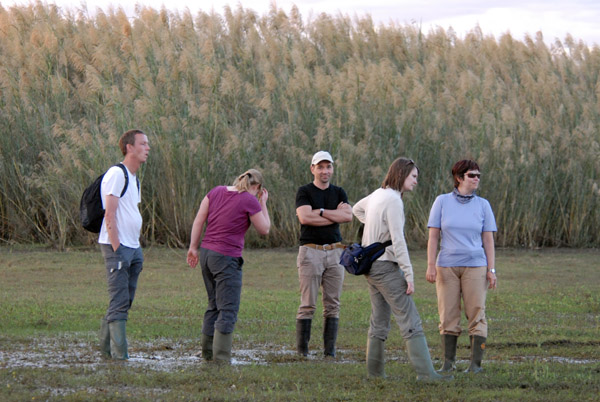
[(118, 339), (375, 357), (477, 348), (222, 347), (207, 347), (449, 348), (104, 337), (419, 356)]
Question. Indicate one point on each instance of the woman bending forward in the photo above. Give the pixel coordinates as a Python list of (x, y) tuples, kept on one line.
[(228, 212)]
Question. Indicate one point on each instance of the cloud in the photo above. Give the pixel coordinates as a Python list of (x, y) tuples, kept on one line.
[(552, 22), (555, 18)]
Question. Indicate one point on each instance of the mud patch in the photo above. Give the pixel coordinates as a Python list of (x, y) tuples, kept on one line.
[(559, 359), (164, 355), (161, 355), (557, 342)]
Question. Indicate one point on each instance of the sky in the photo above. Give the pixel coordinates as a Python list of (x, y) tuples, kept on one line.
[(554, 18)]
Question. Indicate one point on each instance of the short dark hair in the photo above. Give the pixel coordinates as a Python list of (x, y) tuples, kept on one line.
[(397, 173), (128, 138), (461, 167)]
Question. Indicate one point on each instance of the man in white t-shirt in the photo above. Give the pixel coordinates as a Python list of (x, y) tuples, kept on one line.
[(119, 241)]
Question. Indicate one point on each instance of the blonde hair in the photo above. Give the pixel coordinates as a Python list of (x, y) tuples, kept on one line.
[(248, 179)]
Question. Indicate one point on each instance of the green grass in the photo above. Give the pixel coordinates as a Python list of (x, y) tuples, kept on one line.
[(544, 327)]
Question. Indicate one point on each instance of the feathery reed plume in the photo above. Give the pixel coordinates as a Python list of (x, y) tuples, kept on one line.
[(218, 93)]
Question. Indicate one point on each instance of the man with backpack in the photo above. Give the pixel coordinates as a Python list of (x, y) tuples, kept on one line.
[(320, 207), (120, 241)]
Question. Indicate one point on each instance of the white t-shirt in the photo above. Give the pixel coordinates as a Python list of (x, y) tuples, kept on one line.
[(129, 219)]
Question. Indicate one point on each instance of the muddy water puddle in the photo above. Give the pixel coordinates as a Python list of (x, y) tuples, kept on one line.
[(164, 355), (161, 355)]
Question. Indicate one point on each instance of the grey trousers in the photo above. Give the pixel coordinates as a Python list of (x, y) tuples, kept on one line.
[(387, 288), (123, 268), (223, 282)]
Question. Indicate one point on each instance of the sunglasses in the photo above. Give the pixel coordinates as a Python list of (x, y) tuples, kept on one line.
[(473, 175)]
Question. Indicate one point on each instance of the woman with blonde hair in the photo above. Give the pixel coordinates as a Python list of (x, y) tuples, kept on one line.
[(228, 212)]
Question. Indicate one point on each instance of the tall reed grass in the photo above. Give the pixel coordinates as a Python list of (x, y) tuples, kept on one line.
[(220, 93)]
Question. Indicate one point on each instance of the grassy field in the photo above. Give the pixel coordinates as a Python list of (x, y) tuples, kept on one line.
[(543, 343)]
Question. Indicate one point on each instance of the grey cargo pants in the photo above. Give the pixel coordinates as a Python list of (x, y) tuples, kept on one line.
[(123, 268)]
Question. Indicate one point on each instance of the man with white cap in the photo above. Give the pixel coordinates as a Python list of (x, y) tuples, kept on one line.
[(320, 207)]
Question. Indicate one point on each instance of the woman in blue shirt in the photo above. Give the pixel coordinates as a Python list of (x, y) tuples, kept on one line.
[(465, 264)]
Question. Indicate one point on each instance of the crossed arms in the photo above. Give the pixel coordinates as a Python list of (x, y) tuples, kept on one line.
[(312, 217)]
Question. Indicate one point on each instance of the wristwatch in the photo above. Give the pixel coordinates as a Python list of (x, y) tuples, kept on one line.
[(493, 271), (322, 210)]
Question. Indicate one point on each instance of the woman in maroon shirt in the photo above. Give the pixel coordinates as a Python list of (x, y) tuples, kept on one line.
[(228, 212)]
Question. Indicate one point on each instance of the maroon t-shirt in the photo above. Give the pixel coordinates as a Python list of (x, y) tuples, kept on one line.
[(228, 220)]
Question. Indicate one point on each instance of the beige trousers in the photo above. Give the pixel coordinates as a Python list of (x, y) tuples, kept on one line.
[(471, 284), (319, 269)]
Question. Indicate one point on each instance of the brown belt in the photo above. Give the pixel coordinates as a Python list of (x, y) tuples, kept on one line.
[(325, 246)]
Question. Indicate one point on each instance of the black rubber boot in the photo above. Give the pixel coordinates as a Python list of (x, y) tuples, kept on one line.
[(477, 348), (449, 348), (330, 330), (303, 336)]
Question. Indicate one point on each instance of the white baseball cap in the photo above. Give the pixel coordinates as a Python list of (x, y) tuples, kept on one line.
[(321, 156)]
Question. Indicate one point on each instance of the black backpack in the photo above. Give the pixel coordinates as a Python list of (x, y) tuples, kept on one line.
[(91, 212)]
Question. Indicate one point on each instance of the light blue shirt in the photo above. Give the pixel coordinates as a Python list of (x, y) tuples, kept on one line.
[(461, 228)]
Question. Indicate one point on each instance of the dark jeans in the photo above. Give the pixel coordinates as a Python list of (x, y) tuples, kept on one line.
[(123, 268), (223, 281)]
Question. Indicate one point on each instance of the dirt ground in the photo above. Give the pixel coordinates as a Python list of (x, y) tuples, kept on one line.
[(162, 355)]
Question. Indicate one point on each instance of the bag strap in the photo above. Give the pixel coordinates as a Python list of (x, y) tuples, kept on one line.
[(383, 245), (379, 247), (126, 179)]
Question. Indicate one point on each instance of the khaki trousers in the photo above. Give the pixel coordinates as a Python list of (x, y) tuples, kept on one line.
[(471, 284), (316, 269)]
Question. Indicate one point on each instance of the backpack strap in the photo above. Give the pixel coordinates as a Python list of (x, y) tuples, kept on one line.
[(126, 179)]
